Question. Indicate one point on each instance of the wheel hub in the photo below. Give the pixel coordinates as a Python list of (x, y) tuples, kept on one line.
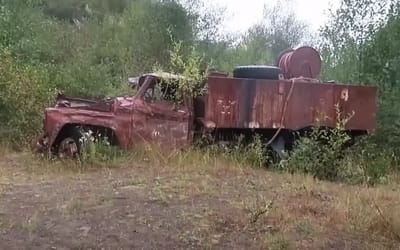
[(68, 149)]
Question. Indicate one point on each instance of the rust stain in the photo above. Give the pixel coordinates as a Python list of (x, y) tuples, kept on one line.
[(310, 104)]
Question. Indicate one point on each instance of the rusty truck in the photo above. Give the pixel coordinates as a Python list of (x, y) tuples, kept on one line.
[(274, 102)]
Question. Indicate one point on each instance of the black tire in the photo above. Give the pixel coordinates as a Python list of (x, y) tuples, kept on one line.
[(257, 72), (73, 135)]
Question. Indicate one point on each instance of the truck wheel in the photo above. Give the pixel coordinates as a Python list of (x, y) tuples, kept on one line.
[(70, 146), (257, 72)]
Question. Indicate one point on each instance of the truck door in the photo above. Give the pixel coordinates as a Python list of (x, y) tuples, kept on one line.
[(168, 120)]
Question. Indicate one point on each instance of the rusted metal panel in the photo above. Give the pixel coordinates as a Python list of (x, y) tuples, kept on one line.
[(310, 104), (164, 123), (263, 109), (160, 124), (244, 103), (224, 108), (359, 102), (57, 118)]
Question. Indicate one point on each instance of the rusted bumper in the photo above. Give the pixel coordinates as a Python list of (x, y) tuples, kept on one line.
[(41, 145)]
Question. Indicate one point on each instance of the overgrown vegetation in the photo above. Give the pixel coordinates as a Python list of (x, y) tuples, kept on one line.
[(359, 46), (22, 100), (89, 48), (328, 155), (97, 150), (213, 197)]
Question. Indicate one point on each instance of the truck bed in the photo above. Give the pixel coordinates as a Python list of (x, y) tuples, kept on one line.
[(290, 104)]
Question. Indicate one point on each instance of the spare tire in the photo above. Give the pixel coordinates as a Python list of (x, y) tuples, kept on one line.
[(257, 72)]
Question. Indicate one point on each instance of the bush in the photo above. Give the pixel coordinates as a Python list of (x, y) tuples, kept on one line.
[(326, 154), (320, 153), (23, 97), (366, 163)]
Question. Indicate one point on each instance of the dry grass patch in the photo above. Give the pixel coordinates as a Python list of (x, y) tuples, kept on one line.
[(278, 242), (4, 225), (376, 212), (369, 213), (208, 202)]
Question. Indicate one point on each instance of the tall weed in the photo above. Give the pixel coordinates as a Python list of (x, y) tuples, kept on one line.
[(97, 150), (247, 153)]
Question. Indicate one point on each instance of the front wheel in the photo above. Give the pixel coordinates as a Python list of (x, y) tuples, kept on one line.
[(70, 146)]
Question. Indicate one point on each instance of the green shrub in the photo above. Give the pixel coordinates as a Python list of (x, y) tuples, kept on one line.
[(249, 153), (319, 153), (366, 163), (329, 154), (326, 155), (98, 150), (23, 97)]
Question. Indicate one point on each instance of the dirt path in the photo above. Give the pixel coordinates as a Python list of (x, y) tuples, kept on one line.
[(147, 207)]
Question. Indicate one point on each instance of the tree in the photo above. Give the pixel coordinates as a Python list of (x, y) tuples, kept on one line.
[(282, 27), (383, 53), (77, 10), (345, 35), (360, 45), (205, 20), (278, 31), (382, 67)]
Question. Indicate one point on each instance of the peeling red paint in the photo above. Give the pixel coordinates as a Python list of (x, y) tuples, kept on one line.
[(132, 119), (248, 103)]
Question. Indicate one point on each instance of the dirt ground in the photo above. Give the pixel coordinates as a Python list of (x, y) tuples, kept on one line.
[(150, 205)]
